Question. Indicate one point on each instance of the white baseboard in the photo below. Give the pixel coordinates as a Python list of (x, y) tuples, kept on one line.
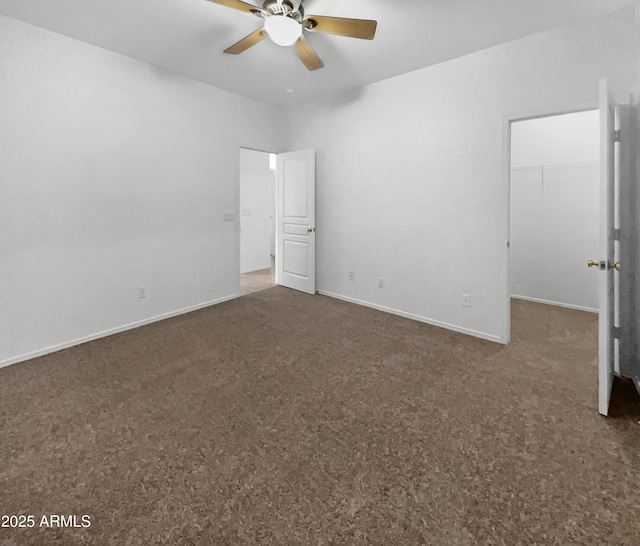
[(556, 303), (261, 268), (419, 318), (111, 331)]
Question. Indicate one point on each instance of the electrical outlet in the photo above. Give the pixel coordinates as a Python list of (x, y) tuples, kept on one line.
[(466, 300), (142, 291), (381, 282), (229, 217), (352, 275)]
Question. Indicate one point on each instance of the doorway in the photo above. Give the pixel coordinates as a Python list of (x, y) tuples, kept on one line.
[(276, 231), (616, 346), (554, 207), (554, 228), (257, 202)]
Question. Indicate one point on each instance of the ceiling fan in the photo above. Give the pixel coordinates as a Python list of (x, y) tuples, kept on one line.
[(284, 21)]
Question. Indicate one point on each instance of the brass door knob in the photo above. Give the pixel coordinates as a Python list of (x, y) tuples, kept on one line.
[(603, 265)]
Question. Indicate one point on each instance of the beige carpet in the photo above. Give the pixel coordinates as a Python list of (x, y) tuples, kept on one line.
[(281, 418), (257, 281)]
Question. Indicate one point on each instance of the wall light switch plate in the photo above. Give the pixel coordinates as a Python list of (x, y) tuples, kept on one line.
[(466, 300)]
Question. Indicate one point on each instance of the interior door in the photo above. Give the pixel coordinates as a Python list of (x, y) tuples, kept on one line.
[(296, 233), (605, 264)]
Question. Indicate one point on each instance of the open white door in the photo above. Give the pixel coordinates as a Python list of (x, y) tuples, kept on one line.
[(606, 265), (296, 214)]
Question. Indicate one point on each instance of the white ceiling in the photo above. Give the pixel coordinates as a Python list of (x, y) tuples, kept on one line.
[(188, 37)]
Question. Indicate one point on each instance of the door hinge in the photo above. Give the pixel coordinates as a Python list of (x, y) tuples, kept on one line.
[(616, 332), (616, 135), (616, 234)]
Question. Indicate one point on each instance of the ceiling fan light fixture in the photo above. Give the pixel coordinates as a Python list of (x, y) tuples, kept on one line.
[(283, 30)]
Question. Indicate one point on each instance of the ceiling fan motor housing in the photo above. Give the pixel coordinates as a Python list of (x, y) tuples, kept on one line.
[(287, 8)]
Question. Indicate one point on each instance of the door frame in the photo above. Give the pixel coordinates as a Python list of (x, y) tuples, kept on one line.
[(238, 213), (507, 120)]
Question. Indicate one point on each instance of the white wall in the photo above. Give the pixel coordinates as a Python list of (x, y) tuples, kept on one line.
[(554, 209), (554, 230), (114, 174), (255, 210), (411, 179)]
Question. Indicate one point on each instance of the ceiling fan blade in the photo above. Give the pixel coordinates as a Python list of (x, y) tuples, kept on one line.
[(307, 55), (247, 42), (238, 4), (354, 28)]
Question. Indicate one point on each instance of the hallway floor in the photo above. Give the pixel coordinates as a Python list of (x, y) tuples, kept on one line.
[(257, 280)]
